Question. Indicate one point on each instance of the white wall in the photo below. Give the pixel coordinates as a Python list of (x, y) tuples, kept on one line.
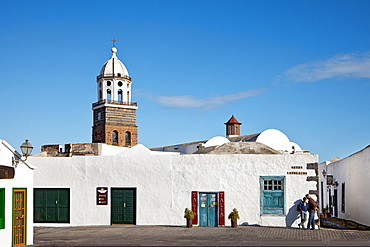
[(164, 183), (23, 179), (354, 171), (111, 150)]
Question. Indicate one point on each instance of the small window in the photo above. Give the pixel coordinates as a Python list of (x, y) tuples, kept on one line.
[(128, 138), (119, 74), (2, 208), (231, 130), (109, 83), (109, 95), (120, 95), (120, 83), (115, 137)]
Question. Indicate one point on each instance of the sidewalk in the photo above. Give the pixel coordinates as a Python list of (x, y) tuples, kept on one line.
[(123, 235)]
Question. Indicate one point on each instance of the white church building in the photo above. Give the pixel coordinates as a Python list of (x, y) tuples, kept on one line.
[(114, 180)]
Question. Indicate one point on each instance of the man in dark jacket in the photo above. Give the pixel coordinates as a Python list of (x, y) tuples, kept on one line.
[(312, 207), (303, 208)]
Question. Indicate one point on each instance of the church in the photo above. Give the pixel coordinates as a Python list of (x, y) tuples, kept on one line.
[(115, 180)]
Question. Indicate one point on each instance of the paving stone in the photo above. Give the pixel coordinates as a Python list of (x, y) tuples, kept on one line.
[(123, 235)]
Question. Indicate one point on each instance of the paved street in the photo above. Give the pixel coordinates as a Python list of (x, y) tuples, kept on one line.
[(123, 235)]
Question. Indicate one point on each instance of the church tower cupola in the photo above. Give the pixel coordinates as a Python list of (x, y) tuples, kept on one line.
[(232, 127), (114, 113)]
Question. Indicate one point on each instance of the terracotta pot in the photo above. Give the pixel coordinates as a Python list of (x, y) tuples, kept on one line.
[(234, 223), (189, 223)]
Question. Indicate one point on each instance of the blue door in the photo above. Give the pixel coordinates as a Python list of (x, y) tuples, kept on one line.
[(208, 206)]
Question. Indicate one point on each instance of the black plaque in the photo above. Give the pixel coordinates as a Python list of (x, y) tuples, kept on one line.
[(102, 196), (7, 172)]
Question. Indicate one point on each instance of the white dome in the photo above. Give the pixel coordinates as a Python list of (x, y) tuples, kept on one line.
[(216, 141), (277, 140), (114, 65)]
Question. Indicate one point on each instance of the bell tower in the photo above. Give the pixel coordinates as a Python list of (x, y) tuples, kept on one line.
[(232, 127), (114, 115)]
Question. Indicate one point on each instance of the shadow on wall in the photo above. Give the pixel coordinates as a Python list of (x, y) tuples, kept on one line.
[(293, 214)]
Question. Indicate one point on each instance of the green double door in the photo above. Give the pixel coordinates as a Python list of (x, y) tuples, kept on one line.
[(123, 206)]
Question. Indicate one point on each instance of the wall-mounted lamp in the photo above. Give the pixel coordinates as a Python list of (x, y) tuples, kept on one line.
[(324, 173), (336, 183), (26, 149)]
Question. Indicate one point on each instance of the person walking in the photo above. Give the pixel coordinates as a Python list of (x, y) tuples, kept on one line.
[(303, 208), (312, 207)]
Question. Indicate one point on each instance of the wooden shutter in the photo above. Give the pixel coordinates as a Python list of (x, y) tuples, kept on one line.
[(272, 195), (2, 208), (51, 205)]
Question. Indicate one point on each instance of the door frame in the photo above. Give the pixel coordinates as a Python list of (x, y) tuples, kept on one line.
[(25, 215), (111, 202)]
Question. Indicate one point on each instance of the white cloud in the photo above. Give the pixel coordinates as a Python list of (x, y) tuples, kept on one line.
[(206, 104), (353, 65)]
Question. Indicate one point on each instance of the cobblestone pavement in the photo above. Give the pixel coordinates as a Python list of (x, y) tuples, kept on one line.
[(119, 235)]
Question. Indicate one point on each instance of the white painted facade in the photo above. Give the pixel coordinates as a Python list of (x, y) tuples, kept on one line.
[(23, 179), (164, 182), (352, 173)]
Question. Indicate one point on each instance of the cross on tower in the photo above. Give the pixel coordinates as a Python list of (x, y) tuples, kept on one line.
[(114, 42)]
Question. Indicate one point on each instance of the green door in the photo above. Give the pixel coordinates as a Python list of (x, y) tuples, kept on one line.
[(51, 205), (123, 206)]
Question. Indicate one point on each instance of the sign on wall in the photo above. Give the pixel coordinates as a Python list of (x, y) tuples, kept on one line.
[(221, 208), (329, 180), (102, 196), (194, 206), (6, 172)]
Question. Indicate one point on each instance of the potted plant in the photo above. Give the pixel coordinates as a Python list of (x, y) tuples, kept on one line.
[(189, 216), (325, 211), (234, 216)]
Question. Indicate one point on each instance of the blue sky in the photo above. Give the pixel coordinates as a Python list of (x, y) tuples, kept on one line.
[(302, 67)]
